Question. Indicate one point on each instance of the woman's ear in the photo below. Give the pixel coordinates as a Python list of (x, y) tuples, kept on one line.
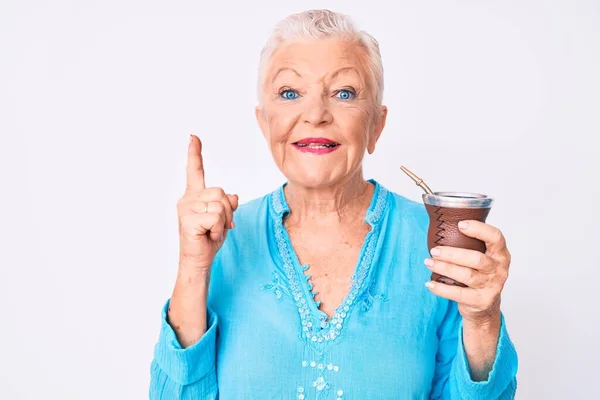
[(378, 126), (260, 118)]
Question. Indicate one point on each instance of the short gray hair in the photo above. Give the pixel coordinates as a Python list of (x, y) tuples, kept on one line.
[(323, 24)]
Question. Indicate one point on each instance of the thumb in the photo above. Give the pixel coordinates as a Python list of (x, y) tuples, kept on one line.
[(233, 200)]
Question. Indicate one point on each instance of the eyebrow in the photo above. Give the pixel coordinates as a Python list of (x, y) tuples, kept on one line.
[(333, 76), (282, 70), (344, 69)]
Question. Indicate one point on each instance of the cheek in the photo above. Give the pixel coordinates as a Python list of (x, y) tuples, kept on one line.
[(355, 122), (281, 123)]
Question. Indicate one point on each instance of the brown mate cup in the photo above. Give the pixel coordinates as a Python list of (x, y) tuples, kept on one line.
[(446, 210)]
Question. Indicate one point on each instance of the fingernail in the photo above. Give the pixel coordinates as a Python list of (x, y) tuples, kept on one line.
[(232, 224), (463, 225), (435, 251), (220, 238), (429, 262), (430, 285)]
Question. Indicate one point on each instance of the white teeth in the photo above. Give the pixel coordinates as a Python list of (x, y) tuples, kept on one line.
[(317, 145)]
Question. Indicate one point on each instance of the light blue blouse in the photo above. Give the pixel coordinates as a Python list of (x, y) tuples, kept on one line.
[(391, 338)]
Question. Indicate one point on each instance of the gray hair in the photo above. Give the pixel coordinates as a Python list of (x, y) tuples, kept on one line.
[(323, 24)]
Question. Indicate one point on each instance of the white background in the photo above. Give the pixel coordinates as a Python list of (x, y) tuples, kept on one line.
[(96, 102)]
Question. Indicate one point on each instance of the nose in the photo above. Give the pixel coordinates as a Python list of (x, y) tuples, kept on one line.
[(317, 112)]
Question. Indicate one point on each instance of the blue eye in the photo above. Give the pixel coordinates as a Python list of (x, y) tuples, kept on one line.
[(289, 94), (345, 94)]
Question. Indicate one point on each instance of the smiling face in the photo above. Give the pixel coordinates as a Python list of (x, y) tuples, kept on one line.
[(317, 113)]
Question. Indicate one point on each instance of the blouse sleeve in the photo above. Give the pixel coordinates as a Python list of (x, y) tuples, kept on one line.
[(189, 373), (452, 378)]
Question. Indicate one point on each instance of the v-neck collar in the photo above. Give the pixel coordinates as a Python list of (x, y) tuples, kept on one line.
[(316, 328)]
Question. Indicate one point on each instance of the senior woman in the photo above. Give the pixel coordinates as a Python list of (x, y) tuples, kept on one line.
[(320, 289)]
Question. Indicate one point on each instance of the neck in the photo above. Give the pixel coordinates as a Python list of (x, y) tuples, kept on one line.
[(346, 200)]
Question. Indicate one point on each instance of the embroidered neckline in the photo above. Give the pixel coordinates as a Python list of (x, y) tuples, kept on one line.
[(316, 328)]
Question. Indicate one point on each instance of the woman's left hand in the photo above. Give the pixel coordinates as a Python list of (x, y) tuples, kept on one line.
[(484, 274)]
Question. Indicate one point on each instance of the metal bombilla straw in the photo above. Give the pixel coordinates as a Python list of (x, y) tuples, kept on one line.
[(417, 180)]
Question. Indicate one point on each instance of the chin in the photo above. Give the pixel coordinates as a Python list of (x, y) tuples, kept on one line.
[(313, 179)]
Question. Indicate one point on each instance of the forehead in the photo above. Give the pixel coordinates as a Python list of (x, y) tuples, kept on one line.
[(318, 58)]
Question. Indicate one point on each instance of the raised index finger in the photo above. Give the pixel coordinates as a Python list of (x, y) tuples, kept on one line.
[(195, 168)]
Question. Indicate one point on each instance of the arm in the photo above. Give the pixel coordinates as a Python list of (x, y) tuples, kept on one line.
[(480, 342), (454, 376), (184, 364), (476, 353), (184, 357), (187, 312), (178, 373)]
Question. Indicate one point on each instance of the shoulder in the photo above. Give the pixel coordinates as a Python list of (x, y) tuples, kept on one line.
[(249, 219), (249, 233), (249, 211), (411, 212)]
